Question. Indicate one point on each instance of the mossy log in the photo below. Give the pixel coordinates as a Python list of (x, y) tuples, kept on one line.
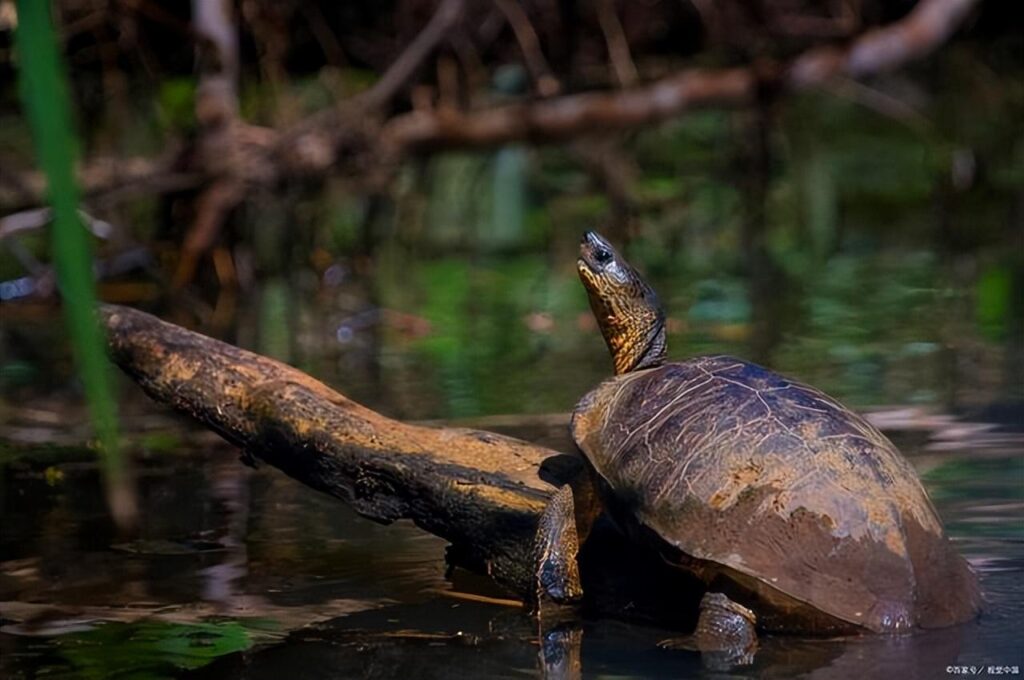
[(481, 491)]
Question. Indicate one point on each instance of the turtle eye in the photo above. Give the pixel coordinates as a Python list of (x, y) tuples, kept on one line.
[(602, 256)]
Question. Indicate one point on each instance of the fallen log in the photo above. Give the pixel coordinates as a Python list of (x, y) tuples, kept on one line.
[(484, 492), (479, 490)]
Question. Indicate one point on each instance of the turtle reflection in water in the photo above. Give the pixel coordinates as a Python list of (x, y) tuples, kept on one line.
[(797, 514)]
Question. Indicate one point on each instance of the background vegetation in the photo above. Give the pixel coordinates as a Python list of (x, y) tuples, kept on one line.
[(242, 174), (329, 183)]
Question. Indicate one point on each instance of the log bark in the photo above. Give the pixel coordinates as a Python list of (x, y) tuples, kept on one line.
[(481, 491)]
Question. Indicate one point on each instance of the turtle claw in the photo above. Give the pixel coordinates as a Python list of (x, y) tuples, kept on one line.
[(725, 634), (724, 625)]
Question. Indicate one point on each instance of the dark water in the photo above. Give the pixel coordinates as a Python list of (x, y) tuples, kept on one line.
[(248, 574)]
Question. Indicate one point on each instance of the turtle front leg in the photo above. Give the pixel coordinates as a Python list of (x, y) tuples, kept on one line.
[(557, 586), (556, 546), (725, 633)]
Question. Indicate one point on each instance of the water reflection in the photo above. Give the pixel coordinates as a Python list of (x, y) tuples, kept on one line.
[(305, 584), (230, 496), (499, 645)]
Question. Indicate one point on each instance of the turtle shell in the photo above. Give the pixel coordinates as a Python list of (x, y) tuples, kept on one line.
[(806, 509)]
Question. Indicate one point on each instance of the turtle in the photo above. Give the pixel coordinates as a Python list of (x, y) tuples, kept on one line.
[(796, 514)]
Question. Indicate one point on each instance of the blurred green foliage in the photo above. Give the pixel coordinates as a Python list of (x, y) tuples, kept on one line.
[(892, 232), (175, 104), (995, 300), (148, 649), (960, 483), (862, 216)]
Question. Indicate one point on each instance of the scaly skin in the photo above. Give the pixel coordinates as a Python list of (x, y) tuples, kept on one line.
[(725, 633), (626, 308)]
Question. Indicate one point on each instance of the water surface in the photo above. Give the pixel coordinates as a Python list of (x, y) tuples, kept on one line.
[(248, 574)]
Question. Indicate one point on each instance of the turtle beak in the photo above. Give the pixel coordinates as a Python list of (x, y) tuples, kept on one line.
[(593, 240), (591, 244)]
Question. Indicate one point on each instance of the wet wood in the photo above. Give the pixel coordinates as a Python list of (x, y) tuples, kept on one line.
[(482, 491), (473, 597)]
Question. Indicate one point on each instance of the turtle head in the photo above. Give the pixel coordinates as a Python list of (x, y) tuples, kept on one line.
[(627, 309)]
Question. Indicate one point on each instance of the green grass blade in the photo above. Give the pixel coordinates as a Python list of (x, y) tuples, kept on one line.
[(44, 92)]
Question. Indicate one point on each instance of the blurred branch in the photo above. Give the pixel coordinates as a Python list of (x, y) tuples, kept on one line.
[(220, 143), (573, 115), (618, 46), (106, 180), (879, 102), (547, 84), (357, 134), (317, 24), (156, 13), (211, 207), (926, 27), (403, 68), (397, 75), (213, 21), (842, 25), (310, 146), (28, 220)]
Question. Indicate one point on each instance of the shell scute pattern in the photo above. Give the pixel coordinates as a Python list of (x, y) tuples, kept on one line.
[(738, 466), (698, 428)]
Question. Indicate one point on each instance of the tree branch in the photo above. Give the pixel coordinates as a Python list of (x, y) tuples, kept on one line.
[(927, 26), (547, 84), (347, 136), (444, 19), (400, 71), (569, 116), (618, 46)]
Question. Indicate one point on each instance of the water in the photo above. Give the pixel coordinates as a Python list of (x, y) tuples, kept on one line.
[(248, 574)]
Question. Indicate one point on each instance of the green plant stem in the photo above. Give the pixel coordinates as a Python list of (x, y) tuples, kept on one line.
[(44, 92)]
